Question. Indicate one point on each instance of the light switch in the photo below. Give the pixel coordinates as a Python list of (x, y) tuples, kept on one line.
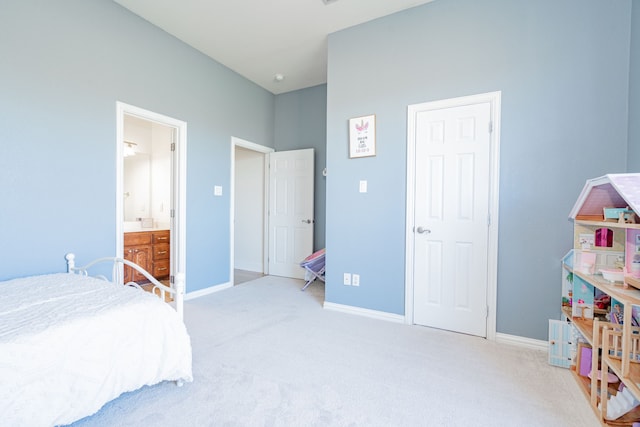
[(363, 186), (217, 190)]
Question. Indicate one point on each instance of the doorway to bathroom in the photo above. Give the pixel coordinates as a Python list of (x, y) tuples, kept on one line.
[(150, 184)]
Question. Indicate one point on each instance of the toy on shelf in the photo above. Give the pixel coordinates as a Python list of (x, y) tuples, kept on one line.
[(620, 215)]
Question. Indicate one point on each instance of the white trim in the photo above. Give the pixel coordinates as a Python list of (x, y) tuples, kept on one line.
[(494, 98), (207, 291), (374, 314), (530, 343), (179, 231), (237, 142)]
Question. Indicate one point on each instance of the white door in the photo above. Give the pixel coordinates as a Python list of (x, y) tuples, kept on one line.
[(291, 218), (452, 183)]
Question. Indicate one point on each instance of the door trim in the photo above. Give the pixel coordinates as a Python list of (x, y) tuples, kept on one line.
[(494, 99), (179, 184), (238, 142)]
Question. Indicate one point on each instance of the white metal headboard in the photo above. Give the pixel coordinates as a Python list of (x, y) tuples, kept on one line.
[(176, 291)]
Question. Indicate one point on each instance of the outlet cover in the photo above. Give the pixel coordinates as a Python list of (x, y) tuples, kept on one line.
[(355, 280), (347, 279)]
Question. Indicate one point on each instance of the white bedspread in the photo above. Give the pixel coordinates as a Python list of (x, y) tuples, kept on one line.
[(69, 344)]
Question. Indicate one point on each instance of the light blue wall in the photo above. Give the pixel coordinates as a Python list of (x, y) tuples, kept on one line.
[(563, 70), (301, 122), (633, 163), (63, 66)]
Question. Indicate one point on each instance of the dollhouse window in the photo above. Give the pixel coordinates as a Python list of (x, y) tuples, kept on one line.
[(604, 237)]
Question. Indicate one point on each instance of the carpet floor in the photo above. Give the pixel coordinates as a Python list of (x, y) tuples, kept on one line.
[(266, 354)]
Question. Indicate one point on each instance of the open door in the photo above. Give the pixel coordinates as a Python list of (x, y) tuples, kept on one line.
[(161, 204), (291, 219)]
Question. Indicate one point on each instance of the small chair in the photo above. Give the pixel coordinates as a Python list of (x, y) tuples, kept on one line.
[(314, 267)]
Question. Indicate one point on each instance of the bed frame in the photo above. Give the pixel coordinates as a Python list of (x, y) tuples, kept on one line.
[(117, 276)]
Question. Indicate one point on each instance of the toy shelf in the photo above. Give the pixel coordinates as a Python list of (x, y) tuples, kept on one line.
[(599, 222), (632, 281), (633, 376), (584, 326), (619, 292)]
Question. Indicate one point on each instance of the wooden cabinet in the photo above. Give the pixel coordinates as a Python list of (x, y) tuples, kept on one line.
[(601, 298), (151, 251), (160, 254)]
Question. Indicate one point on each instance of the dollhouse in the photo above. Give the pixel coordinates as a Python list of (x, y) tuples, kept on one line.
[(599, 335)]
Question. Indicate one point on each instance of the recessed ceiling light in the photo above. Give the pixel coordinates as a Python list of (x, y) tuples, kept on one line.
[(278, 78), (329, 1)]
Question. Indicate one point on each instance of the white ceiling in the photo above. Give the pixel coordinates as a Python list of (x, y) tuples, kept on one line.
[(259, 39)]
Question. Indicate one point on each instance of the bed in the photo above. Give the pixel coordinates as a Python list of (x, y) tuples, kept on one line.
[(70, 342)]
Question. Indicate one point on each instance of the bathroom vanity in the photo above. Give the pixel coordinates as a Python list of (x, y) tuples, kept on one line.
[(150, 250)]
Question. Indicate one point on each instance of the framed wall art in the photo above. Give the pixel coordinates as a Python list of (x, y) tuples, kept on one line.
[(362, 136)]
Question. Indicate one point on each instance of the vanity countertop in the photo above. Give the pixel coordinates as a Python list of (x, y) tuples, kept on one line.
[(138, 230), (136, 227)]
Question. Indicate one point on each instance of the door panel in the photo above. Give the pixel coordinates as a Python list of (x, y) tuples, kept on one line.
[(451, 207), (291, 220)]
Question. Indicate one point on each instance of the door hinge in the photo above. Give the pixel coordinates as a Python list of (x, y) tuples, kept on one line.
[(490, 127), (172, 279), (173, 146), (172, 213), (489, 220), (486, 314)]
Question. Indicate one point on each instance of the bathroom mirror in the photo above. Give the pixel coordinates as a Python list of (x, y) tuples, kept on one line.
[(137, 187), (146, 174)]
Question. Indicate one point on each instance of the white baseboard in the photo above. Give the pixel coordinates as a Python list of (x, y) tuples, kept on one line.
[(248, 266), (397, 318), (374, 314), (207, 291), (522, 341)]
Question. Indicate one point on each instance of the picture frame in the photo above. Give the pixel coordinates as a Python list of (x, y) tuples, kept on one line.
[(362, 136)]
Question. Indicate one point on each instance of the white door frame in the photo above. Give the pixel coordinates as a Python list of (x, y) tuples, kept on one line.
[(179, 235), (238, 142), (494, 98)]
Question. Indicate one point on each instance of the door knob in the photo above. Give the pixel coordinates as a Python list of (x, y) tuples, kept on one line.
[(307, 221), (423, 230)]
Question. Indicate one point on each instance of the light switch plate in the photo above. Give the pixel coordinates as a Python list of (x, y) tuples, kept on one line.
[(217, 190), (363, 186)]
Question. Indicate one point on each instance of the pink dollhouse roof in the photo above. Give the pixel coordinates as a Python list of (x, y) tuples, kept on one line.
[(608, 191)]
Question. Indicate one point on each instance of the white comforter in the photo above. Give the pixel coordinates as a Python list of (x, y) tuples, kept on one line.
[(69, 344)]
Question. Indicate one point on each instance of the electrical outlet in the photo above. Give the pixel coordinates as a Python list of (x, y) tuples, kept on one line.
[(347, 279), (355, 280)]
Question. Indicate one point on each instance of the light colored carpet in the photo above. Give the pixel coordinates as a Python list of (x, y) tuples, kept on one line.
[(266, 354), (241, 276)]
